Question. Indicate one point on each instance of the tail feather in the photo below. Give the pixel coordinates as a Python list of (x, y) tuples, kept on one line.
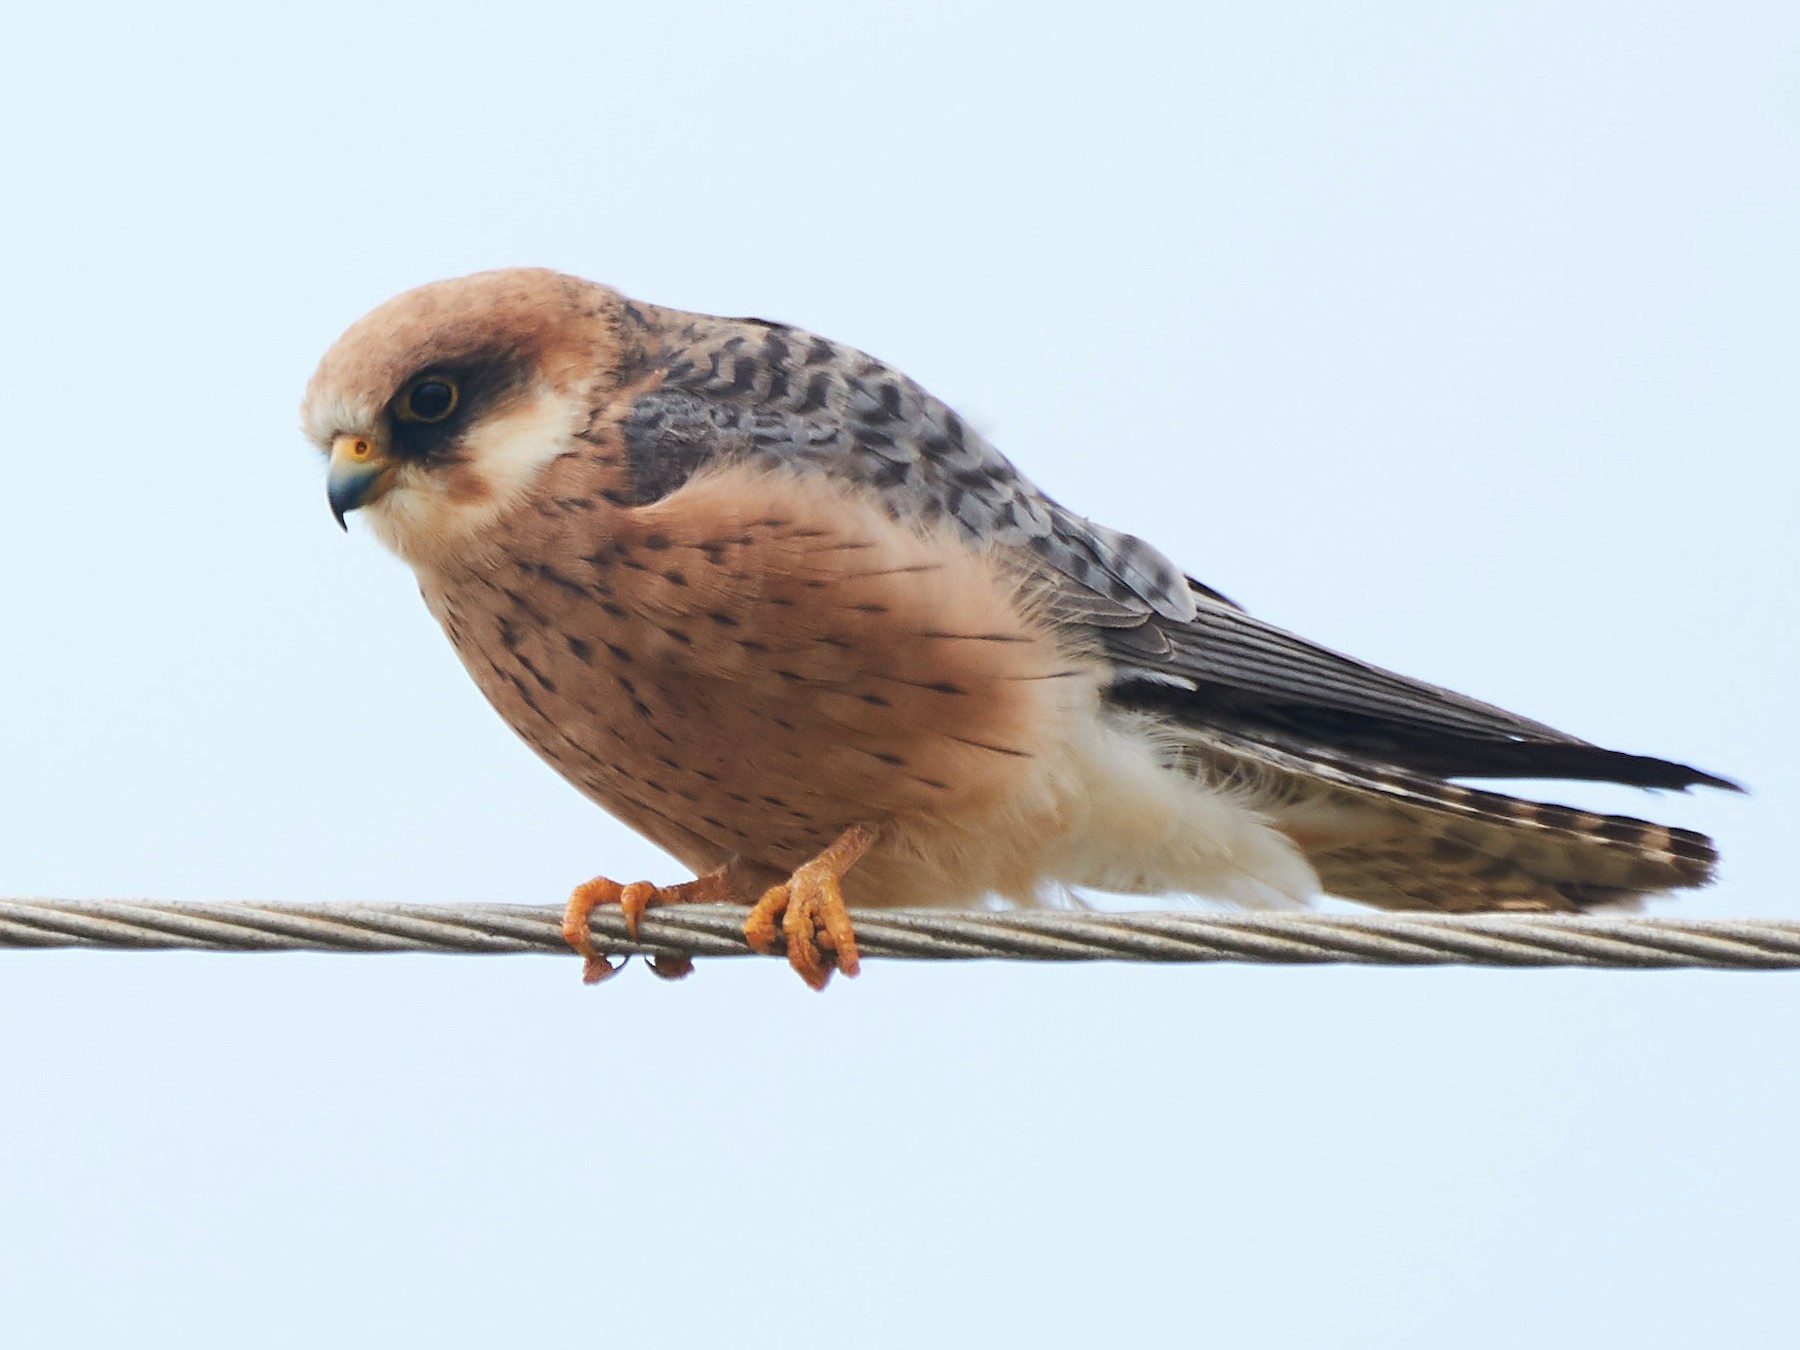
[(1401, 839)]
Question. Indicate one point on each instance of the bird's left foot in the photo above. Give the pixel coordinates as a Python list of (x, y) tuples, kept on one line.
[(809, 910), (633, 900)]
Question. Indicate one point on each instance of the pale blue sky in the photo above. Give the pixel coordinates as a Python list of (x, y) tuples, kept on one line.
[(1459, 337)]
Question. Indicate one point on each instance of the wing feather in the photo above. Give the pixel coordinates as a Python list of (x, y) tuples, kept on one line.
[(749, 390), (746, 390)]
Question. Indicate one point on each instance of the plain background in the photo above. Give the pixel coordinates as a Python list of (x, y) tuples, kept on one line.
[(1459, 337)]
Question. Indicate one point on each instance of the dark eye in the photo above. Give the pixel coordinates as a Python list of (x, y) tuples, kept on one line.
[(431, 399)]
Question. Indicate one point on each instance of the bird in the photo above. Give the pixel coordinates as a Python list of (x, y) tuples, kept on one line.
[(774, 606)]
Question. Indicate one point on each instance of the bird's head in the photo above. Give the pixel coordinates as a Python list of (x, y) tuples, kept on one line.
[(439, 408)]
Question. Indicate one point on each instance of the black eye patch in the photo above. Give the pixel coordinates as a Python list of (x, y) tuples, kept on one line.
[(436, 407)]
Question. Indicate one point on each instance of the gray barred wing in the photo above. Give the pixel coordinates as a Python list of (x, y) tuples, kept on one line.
[(744, 390)]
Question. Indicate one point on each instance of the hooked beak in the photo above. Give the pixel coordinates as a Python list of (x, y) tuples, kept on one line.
[(360, 473)]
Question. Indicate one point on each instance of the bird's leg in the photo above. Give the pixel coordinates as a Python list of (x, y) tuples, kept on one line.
[(809, 908), (633, 900)]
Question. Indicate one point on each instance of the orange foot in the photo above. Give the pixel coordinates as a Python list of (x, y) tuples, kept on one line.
[(809, 909), (633, 900)]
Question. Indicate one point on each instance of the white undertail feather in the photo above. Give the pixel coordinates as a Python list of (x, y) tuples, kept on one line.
[(1107, 811)]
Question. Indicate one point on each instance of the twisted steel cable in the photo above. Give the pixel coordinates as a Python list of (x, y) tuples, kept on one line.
[(1624, 942)]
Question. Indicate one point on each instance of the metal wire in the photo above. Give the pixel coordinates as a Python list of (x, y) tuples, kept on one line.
[(1626, 942)]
